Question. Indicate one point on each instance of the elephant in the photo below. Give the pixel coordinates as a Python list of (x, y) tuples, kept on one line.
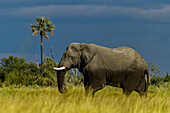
[(121, 67)]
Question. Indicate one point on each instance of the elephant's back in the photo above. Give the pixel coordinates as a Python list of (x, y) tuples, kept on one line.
[(121, 58)]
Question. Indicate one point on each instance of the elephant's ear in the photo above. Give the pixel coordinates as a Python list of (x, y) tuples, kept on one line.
[(87, 54)]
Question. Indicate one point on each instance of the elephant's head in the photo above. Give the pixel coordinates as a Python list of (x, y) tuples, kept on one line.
[(75, 56)]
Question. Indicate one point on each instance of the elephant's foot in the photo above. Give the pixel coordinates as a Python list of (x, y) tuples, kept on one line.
[(127, 92), (97, 89)]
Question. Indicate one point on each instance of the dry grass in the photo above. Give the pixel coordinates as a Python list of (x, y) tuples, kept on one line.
[(109, 100)]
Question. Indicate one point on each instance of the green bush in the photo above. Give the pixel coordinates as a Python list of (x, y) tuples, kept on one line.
[(17, 71), (73, 79), (156, 77), (167, 78)]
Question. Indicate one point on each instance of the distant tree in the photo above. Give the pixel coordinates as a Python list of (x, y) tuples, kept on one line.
[(13, 70), (157, 76), (167, 78), (154, 69), (43, 27)]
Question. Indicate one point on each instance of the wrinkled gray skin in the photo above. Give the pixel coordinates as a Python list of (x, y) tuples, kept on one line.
[(120, 67)]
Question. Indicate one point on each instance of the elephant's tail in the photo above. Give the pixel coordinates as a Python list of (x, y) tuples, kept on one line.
[(147, 74)]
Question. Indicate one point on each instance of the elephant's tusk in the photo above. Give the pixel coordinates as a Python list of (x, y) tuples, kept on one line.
[(60, 68)]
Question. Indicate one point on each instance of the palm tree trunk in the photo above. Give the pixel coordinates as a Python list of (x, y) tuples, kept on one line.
[(41, 53), (41, 49)]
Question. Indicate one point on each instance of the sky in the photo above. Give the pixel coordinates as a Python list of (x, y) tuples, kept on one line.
[(143, 25)]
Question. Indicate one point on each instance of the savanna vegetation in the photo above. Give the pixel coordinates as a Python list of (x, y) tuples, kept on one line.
[(29, 87), (34, 99), (25, 90)]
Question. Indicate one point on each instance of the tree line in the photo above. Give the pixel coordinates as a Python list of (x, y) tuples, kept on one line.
[(19, 72)]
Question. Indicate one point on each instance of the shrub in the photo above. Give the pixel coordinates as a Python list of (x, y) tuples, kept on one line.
[(18, 71), (167, 78), (156, 77), (71, 78)]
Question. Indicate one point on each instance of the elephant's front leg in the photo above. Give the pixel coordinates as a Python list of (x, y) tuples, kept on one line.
[(86, 84), (97, 89)]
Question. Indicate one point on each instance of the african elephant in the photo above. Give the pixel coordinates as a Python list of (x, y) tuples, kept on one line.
[(120, 67)]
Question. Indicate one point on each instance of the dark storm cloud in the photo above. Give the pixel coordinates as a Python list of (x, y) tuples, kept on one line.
[(91, 11)]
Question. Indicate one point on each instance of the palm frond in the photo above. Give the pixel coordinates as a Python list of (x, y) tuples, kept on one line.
[(49, 23), (51, 32), (42, 20), (37, 19), (33, 30), (52, 27), (32, 25), (46, 36), (35, 33), (46, 20)]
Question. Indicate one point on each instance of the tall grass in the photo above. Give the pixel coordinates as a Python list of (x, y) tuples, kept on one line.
[(108, 100)]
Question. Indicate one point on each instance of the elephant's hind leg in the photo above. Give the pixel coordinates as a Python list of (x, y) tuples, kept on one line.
[(141, 88), (130, 83), (141, 93), (127, 92)]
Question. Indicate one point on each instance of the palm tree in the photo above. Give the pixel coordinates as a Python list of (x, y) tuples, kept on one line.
[(43, 27)]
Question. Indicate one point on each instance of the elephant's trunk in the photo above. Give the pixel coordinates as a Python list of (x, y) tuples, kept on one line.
[(60, 81)]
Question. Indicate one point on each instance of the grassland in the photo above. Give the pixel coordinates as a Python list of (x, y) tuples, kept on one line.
[(108, 100)]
